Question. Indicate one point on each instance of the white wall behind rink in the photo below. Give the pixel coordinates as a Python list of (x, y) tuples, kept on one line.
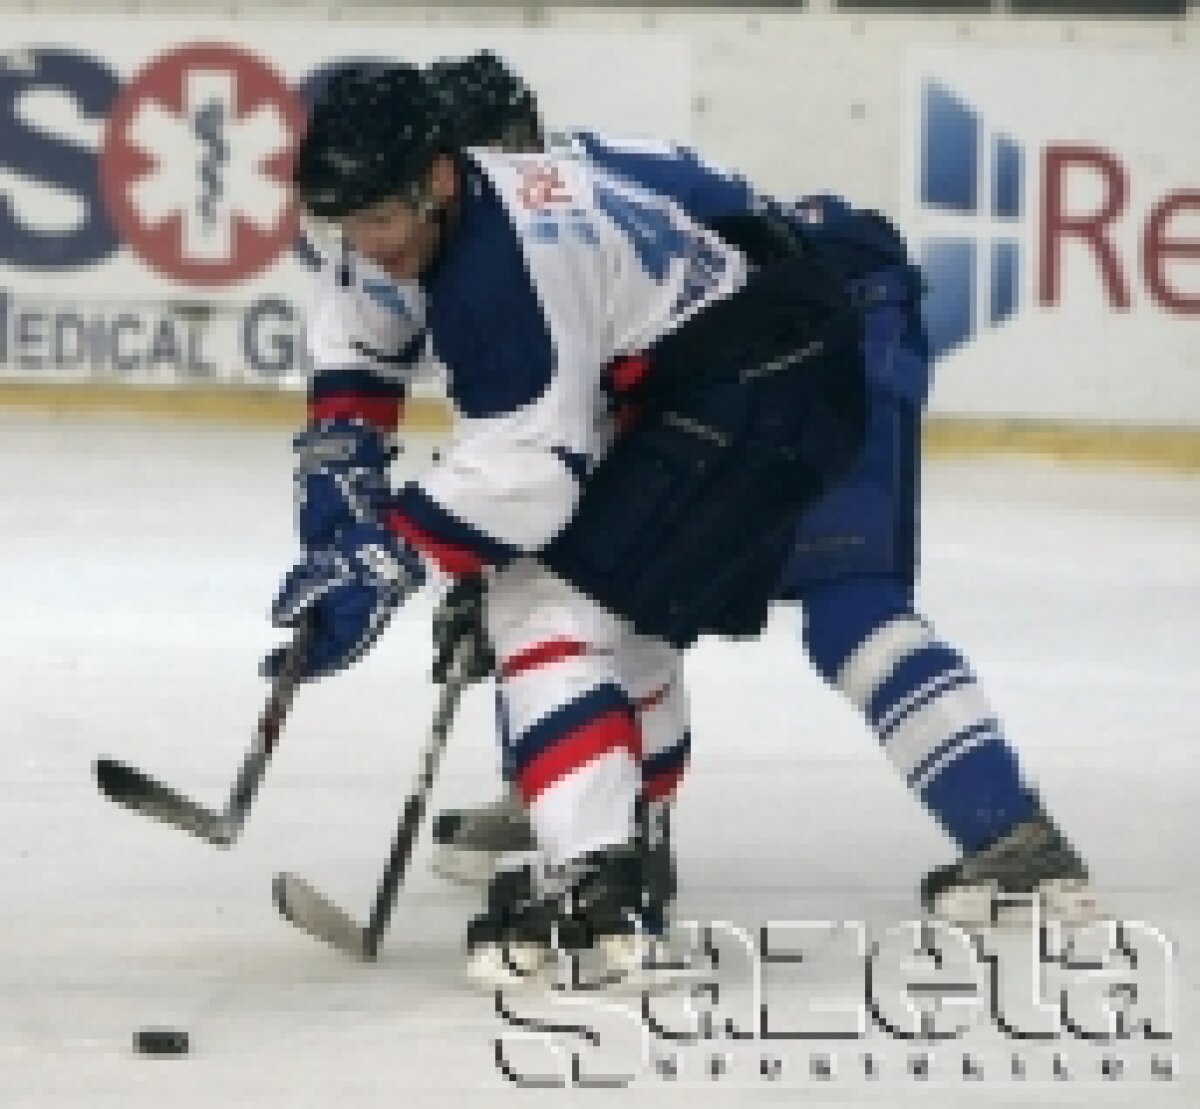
[(815, 102)]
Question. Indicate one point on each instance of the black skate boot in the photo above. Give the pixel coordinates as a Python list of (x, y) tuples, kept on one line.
[(580, 926), (1033, 860)]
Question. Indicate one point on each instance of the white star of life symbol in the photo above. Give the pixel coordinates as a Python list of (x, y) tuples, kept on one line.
[(207, 165)]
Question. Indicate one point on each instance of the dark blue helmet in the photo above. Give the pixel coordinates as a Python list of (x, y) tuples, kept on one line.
[(373, 132), (489, 103)]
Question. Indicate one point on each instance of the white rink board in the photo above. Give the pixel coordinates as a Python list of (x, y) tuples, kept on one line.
[(799, 101)]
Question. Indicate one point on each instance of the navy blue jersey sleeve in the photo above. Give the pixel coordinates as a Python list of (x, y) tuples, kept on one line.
[(487, 325)]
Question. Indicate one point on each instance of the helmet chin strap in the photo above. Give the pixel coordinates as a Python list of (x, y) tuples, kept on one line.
[(425, 206), (424, 203), (430, 209)]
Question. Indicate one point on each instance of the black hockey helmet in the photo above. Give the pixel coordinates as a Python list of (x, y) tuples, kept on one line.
[(372, 134), (488, 102)]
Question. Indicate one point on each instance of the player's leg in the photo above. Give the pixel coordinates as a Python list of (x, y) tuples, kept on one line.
[(653, 674), (938, 730), (471, 843), (574, 751), (468, 843)]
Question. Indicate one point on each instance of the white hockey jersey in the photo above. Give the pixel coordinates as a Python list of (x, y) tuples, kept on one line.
[(555, 269), (362, 318)]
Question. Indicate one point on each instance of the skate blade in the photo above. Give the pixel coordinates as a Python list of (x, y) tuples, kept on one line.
[(507, 966), (617, 965), (1070, 901), (1067, 901), (464, 868), (645, 964)]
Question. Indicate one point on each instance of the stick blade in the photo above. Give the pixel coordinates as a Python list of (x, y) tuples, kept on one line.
[(130, 787), (315, 914)]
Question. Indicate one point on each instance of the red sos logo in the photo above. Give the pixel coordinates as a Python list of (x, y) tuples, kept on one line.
[(186, 163), (196, 162)]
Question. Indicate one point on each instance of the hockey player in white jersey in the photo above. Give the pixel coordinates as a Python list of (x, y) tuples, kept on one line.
[(862, 630), (603, 556)]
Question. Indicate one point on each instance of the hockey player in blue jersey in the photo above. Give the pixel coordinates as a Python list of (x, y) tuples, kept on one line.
[(605, 553), (854, 565)]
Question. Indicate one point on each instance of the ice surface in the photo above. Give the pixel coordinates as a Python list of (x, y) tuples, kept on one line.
[(136, 564)]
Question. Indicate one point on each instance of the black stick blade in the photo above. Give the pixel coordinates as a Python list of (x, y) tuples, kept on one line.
[(133, 789), (315, 914)]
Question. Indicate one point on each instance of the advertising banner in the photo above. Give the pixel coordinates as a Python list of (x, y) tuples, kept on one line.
[(147, 229), (1056, 206)]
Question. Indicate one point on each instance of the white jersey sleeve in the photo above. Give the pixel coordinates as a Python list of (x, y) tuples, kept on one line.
[(367, 342), (360, 318)]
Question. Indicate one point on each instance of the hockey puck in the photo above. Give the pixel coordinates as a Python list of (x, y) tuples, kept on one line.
[(160, 1041)]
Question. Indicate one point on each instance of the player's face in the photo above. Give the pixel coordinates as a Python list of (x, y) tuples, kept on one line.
[(393, 235), (396, 234)]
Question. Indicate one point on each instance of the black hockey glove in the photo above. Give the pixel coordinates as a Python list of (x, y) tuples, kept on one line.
[(459, 618)]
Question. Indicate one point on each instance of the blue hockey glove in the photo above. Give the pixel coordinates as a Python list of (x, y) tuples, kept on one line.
[(349, 591), (341, 478)]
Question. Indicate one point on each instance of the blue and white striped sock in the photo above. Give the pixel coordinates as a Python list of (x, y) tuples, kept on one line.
[(936, 727)]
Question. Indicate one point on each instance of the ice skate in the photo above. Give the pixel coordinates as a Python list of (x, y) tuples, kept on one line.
[(585, 926), (997, 884)]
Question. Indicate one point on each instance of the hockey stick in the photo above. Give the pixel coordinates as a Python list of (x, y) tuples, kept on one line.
[(307, 908), (128, 786)]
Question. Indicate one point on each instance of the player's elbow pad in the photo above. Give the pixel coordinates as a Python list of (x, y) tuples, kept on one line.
[(519, 494)]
